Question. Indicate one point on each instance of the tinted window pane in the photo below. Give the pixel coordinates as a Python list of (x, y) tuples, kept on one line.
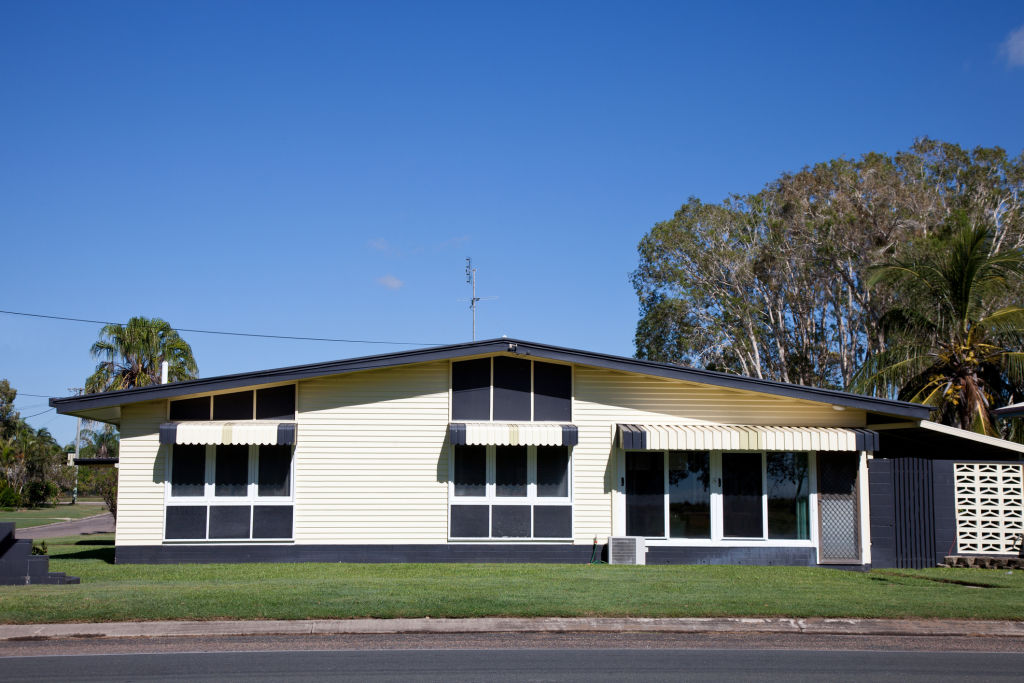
[(272, 521), (788, 515), (229, 521), (191, 409), (645, 494), (471, 389), (689, 495), (552, 471), (470, 521), (510, 470), (188, 470), (741, 495), (275, 470), (470, 470), (552, 521), (511, 388), (232, 471), (276, 403), (186, 521), (510, 521), (236, 406), (552, 392)]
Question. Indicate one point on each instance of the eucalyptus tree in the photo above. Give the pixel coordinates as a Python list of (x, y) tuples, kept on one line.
[(953, 342), (774, 284), (131, 355)]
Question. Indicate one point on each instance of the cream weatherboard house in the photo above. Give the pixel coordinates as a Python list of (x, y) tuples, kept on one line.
[(507, 450)]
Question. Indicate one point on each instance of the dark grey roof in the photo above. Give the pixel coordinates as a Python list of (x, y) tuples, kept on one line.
[(523, 348)]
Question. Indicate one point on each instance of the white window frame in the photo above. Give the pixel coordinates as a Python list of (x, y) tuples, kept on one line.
[(718, 537), (490, 497), (210, 499)]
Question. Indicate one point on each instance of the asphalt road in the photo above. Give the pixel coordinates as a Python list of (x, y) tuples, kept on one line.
[(522, 665), (97, 524), (517, 657)]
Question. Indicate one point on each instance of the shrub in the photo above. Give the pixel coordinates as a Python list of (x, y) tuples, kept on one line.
[(41, 493), (9, 498)]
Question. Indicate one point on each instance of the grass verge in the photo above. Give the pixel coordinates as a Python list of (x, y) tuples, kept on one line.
[(322, 591), (27, 518)]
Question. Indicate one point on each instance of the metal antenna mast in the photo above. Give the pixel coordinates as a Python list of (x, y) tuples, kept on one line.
[(471, 279)]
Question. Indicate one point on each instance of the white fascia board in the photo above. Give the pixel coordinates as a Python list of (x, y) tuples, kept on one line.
[(972, 436)]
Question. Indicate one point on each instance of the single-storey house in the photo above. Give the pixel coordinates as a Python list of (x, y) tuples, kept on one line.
[(512, 451)]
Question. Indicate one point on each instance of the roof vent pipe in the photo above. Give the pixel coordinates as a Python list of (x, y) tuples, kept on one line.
[(163, 372)]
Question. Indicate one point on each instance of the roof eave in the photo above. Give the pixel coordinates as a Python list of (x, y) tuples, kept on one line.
[(74, 404)]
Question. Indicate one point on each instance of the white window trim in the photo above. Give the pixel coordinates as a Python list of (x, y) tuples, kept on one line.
[(210, 499), (718, 539), (490, 497)]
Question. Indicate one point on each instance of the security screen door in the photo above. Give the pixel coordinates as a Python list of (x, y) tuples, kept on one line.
[(645, 494), (837, 504)]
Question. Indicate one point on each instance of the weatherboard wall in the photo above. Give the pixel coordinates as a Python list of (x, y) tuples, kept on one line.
[(141, 471), (371, 459)]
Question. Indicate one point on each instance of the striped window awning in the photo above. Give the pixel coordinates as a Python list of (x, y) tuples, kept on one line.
[(744, 438), (228, 433), (512, 434)]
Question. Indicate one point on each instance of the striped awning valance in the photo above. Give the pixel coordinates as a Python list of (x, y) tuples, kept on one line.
[(744, 438), (228, 433), (512, 434)]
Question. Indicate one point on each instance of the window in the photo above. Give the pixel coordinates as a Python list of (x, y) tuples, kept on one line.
[(229, 492), (273, 403), (698, 495), (510, 492), (509, 389)]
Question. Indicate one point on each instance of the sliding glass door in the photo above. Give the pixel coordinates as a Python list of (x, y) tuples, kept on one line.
[(733, 495)]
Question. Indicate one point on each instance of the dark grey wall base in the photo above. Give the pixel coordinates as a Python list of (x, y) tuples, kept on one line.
[(562, 553), (787, 557)]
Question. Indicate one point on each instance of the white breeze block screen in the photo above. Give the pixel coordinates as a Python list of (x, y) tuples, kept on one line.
[(989, 507)]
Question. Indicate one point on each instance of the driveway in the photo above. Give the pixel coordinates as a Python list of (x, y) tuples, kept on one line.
[(100, 524)]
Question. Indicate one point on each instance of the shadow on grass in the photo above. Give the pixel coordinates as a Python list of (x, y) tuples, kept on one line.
[(104, 554)]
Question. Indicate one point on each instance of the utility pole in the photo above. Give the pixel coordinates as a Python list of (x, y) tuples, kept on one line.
[(78, 443)]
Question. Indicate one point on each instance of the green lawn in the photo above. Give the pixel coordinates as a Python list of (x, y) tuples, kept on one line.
[(299, 591), (25, 518)]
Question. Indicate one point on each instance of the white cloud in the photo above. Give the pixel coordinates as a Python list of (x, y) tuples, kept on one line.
[(390, 281), (380, 244), (1013, 48)]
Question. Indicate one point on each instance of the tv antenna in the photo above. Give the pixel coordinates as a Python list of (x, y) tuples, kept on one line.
[(471, 279)]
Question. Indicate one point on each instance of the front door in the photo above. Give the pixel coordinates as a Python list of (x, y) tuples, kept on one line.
[(645, 494)]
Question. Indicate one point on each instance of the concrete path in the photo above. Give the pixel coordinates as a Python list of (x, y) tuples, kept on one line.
[(817, 626), (99, 524)]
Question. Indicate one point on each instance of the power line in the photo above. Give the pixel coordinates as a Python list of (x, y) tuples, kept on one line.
[(231, 334), (22, 393), (36, 414)]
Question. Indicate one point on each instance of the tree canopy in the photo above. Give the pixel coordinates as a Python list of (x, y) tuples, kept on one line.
[(775, 284), (131, 355)]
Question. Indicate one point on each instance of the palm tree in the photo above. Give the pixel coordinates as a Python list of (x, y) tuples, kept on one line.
[(949, 346), (130, 355)]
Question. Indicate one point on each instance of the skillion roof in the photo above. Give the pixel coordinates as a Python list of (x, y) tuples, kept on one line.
[(90, 402)]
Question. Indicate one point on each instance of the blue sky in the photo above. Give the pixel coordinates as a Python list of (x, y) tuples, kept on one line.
[(324, 169)]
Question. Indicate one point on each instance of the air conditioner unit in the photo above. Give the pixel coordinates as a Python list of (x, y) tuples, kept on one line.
[(627, 550)]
